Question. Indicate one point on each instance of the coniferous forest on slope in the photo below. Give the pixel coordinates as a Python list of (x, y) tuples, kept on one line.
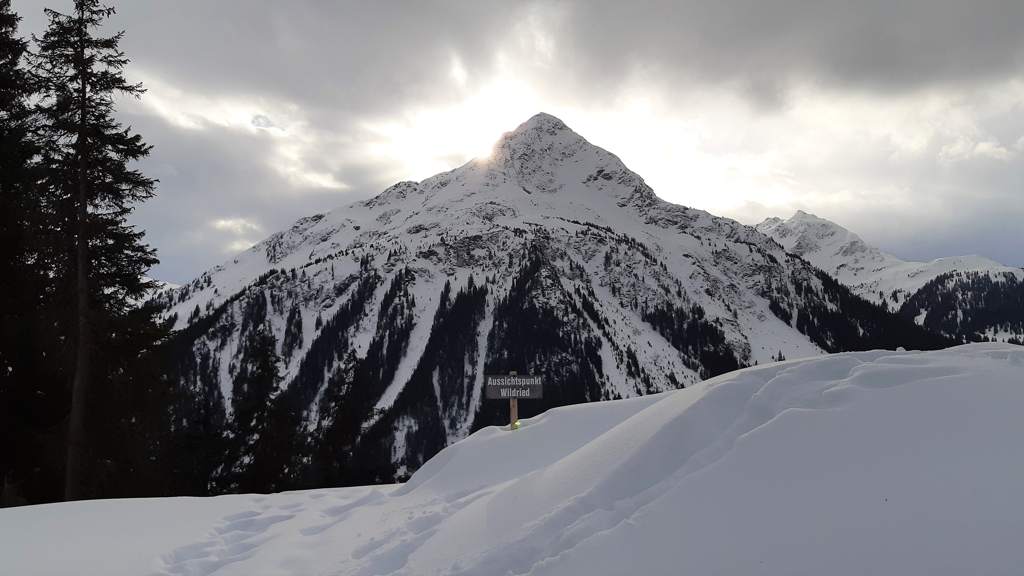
[(538, 327), (972, 305)]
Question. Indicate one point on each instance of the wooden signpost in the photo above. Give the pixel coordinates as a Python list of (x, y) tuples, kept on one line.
[(512, 387)]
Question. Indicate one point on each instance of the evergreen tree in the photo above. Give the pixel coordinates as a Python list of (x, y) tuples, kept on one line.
[(20, 360), (91, 190)]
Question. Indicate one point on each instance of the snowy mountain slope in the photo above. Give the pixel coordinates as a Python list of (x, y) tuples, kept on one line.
[(352, 347), (867, 270), (943, 294), (857, 463)]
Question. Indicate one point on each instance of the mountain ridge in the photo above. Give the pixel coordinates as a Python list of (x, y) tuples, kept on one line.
[(863, 267), (970, 296), (352, 346)]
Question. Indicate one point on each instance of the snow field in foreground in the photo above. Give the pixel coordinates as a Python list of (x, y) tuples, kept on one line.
[(859, 463)]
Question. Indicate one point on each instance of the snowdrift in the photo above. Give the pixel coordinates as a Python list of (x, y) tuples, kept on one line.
[(861, 463)]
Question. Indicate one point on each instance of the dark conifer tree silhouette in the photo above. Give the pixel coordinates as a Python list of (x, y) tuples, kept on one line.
[(21, 318), (92, 188)]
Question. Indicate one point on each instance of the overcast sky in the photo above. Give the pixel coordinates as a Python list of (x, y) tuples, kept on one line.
[(903, 121)]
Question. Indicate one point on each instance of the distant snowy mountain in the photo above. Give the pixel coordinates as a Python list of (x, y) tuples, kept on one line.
[(860, 463), (967, 296), (352, 347), (867, 270)]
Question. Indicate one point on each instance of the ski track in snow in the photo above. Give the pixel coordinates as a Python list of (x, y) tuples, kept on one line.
[(304, 520)]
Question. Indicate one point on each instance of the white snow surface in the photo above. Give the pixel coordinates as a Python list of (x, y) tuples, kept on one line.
[(864, 268), (860, 463)]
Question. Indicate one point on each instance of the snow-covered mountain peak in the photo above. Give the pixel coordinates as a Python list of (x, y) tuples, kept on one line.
[(539, 130), (541, 164), (832, 248), (544, 155), (866, 269), (806, 233), (542, 122), (540, 170), (368, 330)]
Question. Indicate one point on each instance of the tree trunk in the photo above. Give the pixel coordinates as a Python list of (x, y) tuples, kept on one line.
[(74, 472)]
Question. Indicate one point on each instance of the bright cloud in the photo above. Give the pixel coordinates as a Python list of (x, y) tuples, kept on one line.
[(294, 144), (236, 234), (235, 225)]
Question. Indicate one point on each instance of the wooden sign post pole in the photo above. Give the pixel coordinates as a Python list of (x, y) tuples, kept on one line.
[(513, 409)]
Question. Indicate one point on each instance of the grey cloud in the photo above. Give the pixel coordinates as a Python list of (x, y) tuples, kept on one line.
[(975, 208), (262, 121), (352, 57), (763, 46), (367, 56), (970, 205), (343, 62), (206, 176)]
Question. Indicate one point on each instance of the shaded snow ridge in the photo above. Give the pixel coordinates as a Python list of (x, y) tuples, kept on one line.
[(859, 463), (351, 347)]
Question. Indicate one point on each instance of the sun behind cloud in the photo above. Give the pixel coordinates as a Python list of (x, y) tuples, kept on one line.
[(424, 141)]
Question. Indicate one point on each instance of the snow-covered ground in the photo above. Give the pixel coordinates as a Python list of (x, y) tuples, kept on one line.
[(861, 463)]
